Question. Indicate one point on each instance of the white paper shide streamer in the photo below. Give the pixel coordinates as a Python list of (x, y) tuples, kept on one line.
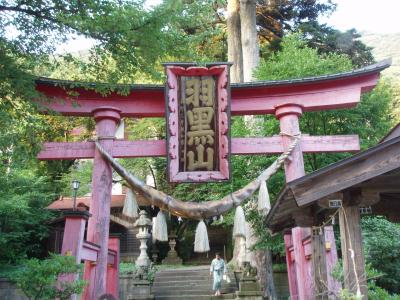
[(201, 244), (239, 224), (264, 204), (154, 229), (160, 232), (130, 205)]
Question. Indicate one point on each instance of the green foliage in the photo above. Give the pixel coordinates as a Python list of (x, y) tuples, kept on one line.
[(130, 268), (297, 60), (329, 40), (370, 119), (38, 278), (23, 218), (382, 250), (126, 268)]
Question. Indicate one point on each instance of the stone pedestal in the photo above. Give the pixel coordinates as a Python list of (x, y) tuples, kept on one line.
[(140, 290), (172, 257), (249, 288)]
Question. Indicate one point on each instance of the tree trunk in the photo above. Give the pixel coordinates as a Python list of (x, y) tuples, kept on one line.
[(251, 55), (243, 51), (234, 41), (262, 260), (239, 251)]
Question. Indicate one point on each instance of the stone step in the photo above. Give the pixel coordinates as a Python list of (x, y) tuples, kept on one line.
[(187, 274), (190, 283), (182, 278), (192, 292), (184, 271), (193, 283), (197, 297)]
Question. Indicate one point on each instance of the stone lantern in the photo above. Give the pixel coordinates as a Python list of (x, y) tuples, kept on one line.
[(140, 289), (143, 235)]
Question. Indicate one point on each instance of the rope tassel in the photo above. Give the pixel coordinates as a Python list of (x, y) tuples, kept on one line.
[(264, 204), (239, 224), (160, 228), (131, 207), (201, 244)]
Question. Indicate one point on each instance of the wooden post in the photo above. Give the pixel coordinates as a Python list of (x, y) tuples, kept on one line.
[(113, 270), (331, 259), (73, 239), (106, 119), (352, 247), (319, 264), (291, 267)]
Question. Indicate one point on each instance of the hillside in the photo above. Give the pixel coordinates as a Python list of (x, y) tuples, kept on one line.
[(385, 46)]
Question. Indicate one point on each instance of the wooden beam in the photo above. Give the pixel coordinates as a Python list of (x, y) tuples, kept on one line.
[(352, 247), (90, 251), (255, 98), (240, 146), (347, 173)]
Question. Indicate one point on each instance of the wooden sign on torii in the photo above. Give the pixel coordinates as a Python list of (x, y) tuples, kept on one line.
[(286, 99)]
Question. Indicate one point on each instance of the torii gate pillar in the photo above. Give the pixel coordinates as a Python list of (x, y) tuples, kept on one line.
[(300, 271), (107, 119), (288, 116)]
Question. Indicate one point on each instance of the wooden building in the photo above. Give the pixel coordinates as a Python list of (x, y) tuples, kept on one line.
[(119, 224), (367, 182)]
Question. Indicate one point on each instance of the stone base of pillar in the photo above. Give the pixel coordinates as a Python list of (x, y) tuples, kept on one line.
[(249, 288), (140, 290)]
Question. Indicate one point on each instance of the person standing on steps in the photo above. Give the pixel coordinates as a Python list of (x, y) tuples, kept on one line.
[(217, 269)]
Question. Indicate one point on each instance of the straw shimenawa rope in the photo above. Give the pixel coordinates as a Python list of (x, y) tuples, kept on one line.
[(194, 210)]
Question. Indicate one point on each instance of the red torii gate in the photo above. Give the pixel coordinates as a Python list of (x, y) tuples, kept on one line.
[(286, 99)]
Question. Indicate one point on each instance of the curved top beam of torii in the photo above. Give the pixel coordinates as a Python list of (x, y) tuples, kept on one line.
[(340, 90)]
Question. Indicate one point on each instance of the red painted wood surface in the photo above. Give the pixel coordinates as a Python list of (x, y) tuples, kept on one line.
[(98, 226), (72, 244), (90, 251), (240, 146), (288, 116), (113, 268), (303, 274), (147, 102), (291, 267)]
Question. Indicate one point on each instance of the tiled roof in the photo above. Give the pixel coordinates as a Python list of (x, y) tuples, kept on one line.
[(116, 201)]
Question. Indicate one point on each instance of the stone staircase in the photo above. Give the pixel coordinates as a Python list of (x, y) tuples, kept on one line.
[(192, 283)]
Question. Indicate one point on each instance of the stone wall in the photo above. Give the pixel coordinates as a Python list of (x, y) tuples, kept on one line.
[(8, 291), (124, 282), (281, 285)]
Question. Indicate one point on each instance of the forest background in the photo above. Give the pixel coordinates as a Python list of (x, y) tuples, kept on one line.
[(132, 42)]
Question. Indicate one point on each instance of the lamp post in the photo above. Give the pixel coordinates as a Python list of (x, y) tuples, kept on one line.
[(75, 187)]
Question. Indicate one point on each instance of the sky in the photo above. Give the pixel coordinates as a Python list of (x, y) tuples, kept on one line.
[(365, 15)]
